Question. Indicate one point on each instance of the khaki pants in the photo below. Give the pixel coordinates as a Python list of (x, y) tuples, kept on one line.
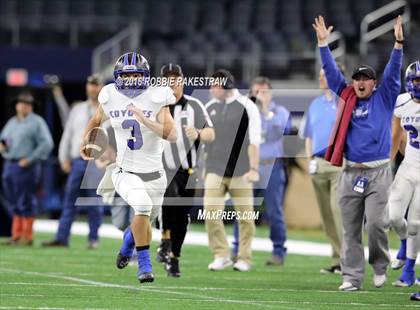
[(214, 199), (325, 185)]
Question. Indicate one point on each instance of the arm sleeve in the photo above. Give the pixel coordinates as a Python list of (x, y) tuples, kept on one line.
[(254, 126), (397, 112), (4, 131), (287, 121), (103, 96), (169, 98), (305, 130), (63, 108), (282, 124), (335, 79), (44, 143), (288, 129), (202, 117), (391, 79), (401, 101), (64, 149)]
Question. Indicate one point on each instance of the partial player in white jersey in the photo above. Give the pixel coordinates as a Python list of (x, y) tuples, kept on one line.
[(405, 190), (141, 119)]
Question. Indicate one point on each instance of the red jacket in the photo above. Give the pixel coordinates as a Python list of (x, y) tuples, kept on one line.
[(337, 142)]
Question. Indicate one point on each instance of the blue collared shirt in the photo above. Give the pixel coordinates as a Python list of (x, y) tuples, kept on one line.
[(273, 128), (27, 138), (319, 122)]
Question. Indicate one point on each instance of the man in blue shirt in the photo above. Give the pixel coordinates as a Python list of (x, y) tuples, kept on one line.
[(367, 176), (275, 122), (317, 128), (25, 140)]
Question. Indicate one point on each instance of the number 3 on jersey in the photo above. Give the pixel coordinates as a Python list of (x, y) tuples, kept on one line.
[(137, 141)]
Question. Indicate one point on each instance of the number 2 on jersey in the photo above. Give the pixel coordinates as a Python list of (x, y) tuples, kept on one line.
[(414, 142), (137, 141)]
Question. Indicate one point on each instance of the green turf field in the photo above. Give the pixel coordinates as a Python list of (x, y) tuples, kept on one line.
[(76, 278)]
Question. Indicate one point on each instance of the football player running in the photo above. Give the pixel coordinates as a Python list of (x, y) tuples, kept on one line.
[(141, 119), (405, 190)]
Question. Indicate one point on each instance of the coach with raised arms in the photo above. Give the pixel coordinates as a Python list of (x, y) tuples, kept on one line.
[(362, 135)]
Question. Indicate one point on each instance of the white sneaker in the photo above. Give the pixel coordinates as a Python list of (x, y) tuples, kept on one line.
[(348, 287), (397, 264), (379, 280), (400, 283), (241, 265), (220, 263)]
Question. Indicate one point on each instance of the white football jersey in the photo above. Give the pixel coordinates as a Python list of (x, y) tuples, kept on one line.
[(409, 113), (139, 149)]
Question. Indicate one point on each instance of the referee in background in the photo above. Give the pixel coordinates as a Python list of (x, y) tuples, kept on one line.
[(180, 160)]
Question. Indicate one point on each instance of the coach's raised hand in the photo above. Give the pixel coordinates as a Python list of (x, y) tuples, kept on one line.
[(322, 32), (398, 32)]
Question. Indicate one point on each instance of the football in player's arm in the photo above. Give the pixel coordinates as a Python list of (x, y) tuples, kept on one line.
[(164, 126)]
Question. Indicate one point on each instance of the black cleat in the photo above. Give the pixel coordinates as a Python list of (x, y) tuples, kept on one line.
[(415, 296), (172, 267), (54, 244), (163, 251), (332, 269), (146, 277), (122, 261)]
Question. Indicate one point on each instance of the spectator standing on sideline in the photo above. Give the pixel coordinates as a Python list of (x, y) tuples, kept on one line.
[(25, 140), (362, 135), (232, 166), (272, 184), (180, 160), (317, 129), (72, 164)]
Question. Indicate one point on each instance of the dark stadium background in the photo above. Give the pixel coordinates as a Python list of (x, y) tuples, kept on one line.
[(249, 37)]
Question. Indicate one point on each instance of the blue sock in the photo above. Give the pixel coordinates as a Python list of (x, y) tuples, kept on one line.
[(408, 275), (409, 264), (402, 251), (128, 243), (143, 258)]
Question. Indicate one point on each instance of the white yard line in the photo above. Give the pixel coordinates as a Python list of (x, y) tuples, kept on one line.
[(50, 308), (136, 288), (200, 238), (278, 303), (193, 238), (341, 304), (195, 288), (35, 308), (47, 284)]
